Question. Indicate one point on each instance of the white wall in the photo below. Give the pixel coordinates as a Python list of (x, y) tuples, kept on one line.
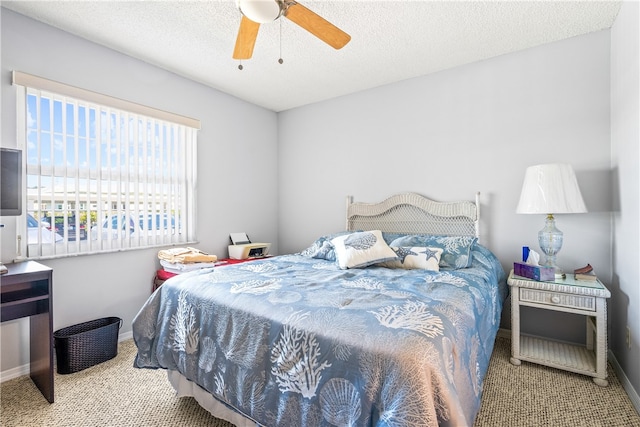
[(624, 307), (450, 134), (90, 287)]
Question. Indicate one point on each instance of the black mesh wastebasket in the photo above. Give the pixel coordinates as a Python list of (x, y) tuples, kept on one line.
[(86, 344)]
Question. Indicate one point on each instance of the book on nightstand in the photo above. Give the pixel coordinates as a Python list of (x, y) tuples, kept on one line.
[(589, 277), (585, 273)]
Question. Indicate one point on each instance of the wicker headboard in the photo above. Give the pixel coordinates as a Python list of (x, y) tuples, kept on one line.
[(413, 213)]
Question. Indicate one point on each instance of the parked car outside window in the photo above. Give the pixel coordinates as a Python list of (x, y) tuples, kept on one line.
[(36, 228), (123, 225), (71, 227), (157, 222)]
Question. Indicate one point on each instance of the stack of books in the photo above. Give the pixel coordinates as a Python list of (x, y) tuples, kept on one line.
[(585, 273)]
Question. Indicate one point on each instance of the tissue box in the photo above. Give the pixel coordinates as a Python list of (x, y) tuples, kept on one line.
[(535, 272)]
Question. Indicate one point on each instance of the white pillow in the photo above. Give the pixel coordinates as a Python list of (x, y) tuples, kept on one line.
[(361, 249), (417, 257)]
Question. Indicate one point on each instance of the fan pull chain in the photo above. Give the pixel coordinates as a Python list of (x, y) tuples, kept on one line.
[(280, 60), (240, 67)]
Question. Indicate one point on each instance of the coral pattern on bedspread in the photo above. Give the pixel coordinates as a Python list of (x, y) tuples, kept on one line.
[(296, 341)]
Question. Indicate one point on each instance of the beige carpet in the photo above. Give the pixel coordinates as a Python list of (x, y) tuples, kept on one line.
[(116, 394)]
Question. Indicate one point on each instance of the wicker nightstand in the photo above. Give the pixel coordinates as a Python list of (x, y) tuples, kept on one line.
[(570, 296)]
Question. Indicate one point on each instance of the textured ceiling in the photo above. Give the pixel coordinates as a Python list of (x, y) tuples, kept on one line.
[(391, 40)]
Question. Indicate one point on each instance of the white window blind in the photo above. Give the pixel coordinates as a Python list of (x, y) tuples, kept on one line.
[(102, 178)]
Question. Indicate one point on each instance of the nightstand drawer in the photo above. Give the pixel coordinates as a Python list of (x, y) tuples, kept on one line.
[(554, 298)]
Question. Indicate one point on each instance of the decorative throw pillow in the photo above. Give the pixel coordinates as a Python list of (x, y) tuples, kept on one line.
[(419, 257), (322, 248), (456, 249), (362, 249)]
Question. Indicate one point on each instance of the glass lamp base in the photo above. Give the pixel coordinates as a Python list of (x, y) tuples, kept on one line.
[(550, 240)]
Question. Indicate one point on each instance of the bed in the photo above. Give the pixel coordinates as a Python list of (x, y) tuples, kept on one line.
[(344, 333)]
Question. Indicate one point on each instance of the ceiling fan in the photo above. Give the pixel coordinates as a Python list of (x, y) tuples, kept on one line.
[(256, 12)]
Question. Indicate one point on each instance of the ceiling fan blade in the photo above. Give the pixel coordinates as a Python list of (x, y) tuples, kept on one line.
[(317, 25), (247, 34)]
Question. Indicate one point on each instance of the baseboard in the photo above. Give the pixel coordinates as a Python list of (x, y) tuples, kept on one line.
[(12, 373), (622, 376), (624, 380), (19, 371)]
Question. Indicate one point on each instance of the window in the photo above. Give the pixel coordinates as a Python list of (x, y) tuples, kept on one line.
[(100, 177)]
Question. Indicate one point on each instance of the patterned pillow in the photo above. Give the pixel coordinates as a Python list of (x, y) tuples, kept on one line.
[(362, 249), (456, 250), (418, 257), (322, 248)]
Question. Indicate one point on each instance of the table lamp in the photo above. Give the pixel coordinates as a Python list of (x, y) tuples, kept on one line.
[(550, 189)]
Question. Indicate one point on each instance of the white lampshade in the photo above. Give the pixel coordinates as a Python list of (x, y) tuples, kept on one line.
[(260, 11), (550, 189)]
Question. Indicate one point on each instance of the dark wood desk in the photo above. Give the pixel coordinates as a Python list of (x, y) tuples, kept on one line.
[(26, 292)]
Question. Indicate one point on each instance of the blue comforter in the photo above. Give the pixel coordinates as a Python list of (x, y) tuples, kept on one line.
[(295, 341)]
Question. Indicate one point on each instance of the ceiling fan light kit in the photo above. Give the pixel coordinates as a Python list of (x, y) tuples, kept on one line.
[(260, 11), (256, 12)]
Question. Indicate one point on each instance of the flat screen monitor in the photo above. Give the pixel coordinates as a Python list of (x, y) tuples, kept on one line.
[(10, 182)]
